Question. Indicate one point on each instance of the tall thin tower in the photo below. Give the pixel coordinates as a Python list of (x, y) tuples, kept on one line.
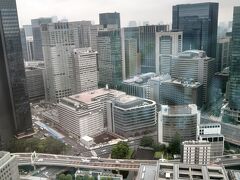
[(15, 115)]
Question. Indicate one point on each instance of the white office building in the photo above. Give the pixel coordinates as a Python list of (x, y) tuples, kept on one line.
[(84, 114), (8, 167), (196, 152), (85, 73), (168, 44)]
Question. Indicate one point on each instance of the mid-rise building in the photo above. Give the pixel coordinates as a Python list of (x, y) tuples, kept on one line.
[(234, 73), (35, 83), (128, 115), (109, 57), (8, 166), (176, 92), (212, 134), (195, 152), (15, 114), (178, 120), (37, 37), (106, 19), (199, 23), (138, 85), (168, 44), (147, 46), (84, 114), (85, 72), (195, 65)]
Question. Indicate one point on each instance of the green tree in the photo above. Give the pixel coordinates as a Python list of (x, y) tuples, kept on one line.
[(120, 150), (175, 144), (147, 141), (159, 147), (61, 177)]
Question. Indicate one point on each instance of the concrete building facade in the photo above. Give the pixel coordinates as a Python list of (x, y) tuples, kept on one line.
[(85, 72), (8, 167), (130, 115), (195, 65), (196, 152)]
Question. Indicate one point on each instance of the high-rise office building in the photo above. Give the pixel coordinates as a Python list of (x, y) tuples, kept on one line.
[(85, 72), (106, 19), (234, 73), (8, 166), (15, 115), (182, 120), (195, 65), (82, 33), (24, 44), (168, 44), (37, 38), (131, 57), (109, 57), (94, 33), (199, 23), (29, 42), (58, 45), (28, 30), (147, 46), (223, 53)]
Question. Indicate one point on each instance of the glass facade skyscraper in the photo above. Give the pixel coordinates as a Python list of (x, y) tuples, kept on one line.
[(147, 46), (15, 115), (109, 57), (199, 24), (110, 19), (234, 79)]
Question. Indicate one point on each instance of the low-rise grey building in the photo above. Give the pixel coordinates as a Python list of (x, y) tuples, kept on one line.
[(177, 171)]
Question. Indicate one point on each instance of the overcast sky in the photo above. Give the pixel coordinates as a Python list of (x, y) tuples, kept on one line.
[(154, 11)]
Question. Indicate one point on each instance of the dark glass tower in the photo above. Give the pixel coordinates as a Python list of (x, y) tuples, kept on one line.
[(147, 46), (109, 19), (15, 115), (234, 73), (199, 24)]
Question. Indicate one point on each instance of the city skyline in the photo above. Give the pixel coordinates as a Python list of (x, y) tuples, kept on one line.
[(80, 10)]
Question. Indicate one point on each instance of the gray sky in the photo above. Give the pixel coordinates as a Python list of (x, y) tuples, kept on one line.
[(154, 11)]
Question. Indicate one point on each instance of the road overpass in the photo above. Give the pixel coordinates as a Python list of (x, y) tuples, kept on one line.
[(79, 162), (39, 159)]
